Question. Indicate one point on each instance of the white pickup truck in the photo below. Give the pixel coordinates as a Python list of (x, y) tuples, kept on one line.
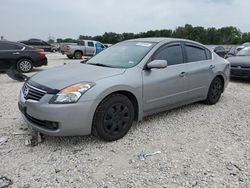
[(83, 48)]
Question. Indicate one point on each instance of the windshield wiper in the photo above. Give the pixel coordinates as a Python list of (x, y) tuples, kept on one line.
[(99, 64)]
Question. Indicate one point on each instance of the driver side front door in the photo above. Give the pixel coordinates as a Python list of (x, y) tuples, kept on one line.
[(164, 88)]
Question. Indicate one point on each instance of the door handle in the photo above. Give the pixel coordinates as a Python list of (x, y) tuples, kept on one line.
[(182, 74), (211, 67), (16, 53)]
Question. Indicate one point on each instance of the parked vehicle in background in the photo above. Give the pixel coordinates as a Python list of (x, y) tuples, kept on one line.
[(233, 51), (107, 45), (39, 44), (84, 48), (124, 83), (240, 64), (246, 44), (221, 51), (55, 48), (63, 47), (22, 57)]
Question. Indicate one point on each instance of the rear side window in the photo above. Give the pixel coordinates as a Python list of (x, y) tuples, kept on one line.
[(81, 43), (45, 44), (173, 54), (195, 54), (91, 44), (38, 43), (6, 46)]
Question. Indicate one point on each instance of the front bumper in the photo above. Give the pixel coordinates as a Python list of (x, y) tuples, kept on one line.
[(67, 119), (240, 72)]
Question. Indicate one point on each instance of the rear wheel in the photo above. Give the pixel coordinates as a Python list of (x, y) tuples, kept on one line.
[(78, 55), (70, 56), (215, 91), (113, 118), (24, 65)]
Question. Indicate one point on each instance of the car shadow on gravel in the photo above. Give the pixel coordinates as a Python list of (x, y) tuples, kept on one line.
[(138, 127)]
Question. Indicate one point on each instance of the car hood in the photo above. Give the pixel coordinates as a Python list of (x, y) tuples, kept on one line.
[(239, 61), (66, 75)]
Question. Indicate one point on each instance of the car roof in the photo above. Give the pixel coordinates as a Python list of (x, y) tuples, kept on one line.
[(167, 40), (16, 43), (161, 39), (10, 42)]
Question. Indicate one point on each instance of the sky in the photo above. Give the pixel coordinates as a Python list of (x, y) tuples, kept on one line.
[(24, 19)]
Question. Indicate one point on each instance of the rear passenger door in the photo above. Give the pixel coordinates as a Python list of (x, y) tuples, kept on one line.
[(199, 70), (90, 48), (165, 87)]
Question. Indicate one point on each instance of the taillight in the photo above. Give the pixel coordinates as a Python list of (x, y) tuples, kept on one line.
[(40, 53)]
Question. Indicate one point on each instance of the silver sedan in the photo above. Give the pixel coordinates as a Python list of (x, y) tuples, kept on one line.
[(122, 84)]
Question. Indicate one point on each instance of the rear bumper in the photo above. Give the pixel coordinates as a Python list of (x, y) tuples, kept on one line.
[(41, 62), (240, 72)]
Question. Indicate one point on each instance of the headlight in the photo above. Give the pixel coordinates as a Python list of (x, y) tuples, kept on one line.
[(71, 94)]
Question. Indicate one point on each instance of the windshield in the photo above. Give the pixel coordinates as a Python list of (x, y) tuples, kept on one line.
[(244, 52), (123, 55)]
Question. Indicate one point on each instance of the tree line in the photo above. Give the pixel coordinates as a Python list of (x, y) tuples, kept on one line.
[(224, 35)]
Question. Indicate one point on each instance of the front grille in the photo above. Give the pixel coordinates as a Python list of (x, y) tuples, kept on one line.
[(50, 125), (32, 93)]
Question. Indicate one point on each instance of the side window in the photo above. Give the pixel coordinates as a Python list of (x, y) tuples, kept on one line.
[(195, 54), (173, 54), (30, 43), (45, 44), (91, 44), (81, 43), (38, 43), (6, 46)]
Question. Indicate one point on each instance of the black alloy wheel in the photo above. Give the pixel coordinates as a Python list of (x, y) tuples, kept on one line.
[(113, 118), (215, 91)]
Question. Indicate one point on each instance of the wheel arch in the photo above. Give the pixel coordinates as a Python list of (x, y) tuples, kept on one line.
[(131, 96), (24, 57), (78, 51)]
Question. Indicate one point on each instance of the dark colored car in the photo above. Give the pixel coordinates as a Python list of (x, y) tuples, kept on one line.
[(39, 44), (221, 51), (233, 51), (22, 57), (240, 64)]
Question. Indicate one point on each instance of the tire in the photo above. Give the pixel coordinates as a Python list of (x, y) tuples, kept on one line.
[(214, 92), (24, 65), (113, 118), (78, 55), (70, 56)]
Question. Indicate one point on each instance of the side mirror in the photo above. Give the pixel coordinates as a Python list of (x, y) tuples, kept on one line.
[(157, 64)]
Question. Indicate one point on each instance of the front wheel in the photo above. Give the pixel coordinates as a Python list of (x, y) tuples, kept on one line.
[(113, 118), (215, 91), (24, 65)]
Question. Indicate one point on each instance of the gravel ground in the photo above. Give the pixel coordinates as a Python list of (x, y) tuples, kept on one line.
[(201, 146)]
